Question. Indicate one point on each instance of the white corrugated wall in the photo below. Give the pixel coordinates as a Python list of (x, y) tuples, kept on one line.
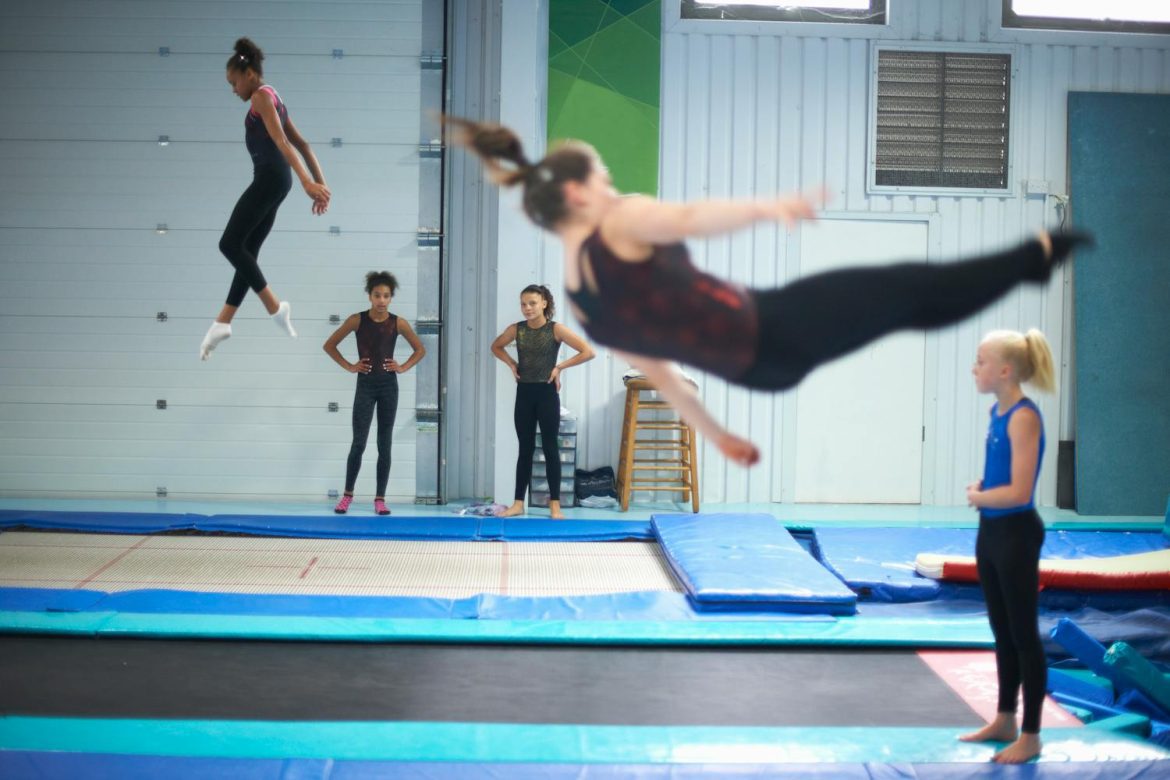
[(748, 114), (83, 359), (88, 275), (747, 111)]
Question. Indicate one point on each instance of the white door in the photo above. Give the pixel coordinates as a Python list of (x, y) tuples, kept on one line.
[(859, 419)]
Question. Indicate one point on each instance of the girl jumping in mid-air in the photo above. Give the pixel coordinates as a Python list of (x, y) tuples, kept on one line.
[(632, 284), (277, 150), (1007, 548), (538, 383), (377, 332)]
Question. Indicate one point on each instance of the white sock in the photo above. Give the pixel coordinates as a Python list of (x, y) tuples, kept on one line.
[(219, 331), (283, 318)]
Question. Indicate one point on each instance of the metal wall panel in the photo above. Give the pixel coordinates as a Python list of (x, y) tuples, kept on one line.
[(474, 44), (109, 265), (766, 110), (754, 110)]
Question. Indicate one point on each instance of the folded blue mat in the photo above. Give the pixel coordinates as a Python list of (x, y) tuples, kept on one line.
[(878, 563), (748, 561)]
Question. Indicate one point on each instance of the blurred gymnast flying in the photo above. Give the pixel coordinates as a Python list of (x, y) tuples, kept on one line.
[(631, 283)]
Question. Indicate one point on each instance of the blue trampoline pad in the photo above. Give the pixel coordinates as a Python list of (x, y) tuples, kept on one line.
[(69, 766), (970, 631), (635, 605), (437, 527), (553, 744)]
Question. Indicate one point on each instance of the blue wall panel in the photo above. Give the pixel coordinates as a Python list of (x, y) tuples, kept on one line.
[(1119, 160)]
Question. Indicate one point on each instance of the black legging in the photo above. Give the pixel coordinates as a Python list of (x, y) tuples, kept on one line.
[(538, 402), (1007, 555), (378, 391), (249, 225), (822, 317)]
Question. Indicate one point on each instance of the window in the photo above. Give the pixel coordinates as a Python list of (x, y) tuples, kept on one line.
[(1132, 16), (942, 120), (846, 11)]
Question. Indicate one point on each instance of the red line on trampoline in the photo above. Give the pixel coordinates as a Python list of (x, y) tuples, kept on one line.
[(123, 554), (503, 568), (312, 563)]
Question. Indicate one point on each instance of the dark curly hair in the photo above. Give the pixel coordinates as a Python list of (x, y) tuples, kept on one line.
[(248, 55), (378, 278)]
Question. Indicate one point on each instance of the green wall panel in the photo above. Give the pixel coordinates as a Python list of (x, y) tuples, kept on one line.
[(603, 83)]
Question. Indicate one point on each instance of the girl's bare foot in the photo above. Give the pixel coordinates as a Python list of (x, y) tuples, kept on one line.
[(1059, 245), (517, 508), (1023, 749), (554, 510), (1002, 729), (1056, 249)]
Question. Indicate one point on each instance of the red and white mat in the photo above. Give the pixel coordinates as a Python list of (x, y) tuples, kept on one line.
[(1142, 571)]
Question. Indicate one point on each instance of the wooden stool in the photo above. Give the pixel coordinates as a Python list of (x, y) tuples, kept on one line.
[(674, 455)]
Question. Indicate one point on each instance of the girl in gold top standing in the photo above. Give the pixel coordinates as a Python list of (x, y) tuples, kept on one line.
[(538, 383)]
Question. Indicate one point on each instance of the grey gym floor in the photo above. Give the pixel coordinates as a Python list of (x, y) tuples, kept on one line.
[(293, 681)]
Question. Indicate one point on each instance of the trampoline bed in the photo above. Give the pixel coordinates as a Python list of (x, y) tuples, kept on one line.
[(612, 651)]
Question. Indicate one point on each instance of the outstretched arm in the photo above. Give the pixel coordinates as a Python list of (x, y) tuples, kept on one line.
[(642, 220), (313, 182), (682, 396)]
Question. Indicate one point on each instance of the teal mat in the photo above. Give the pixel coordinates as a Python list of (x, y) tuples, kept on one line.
[(845, 631), (1119, 155), (472, 742)]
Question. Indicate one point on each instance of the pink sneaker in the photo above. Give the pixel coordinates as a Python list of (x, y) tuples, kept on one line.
[(380, 507), (343, 505)]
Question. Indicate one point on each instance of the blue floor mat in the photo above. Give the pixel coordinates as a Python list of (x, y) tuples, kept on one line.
[(96, 766), (1071, 751), (878, 563), (437, 527)]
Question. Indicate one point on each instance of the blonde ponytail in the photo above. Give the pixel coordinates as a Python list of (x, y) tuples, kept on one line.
[(1029, 354), (1042, 375)]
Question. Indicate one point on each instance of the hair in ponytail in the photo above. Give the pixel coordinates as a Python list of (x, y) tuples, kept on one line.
[(550, 308), (248, 55), (1028, 353), (544, 198)]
